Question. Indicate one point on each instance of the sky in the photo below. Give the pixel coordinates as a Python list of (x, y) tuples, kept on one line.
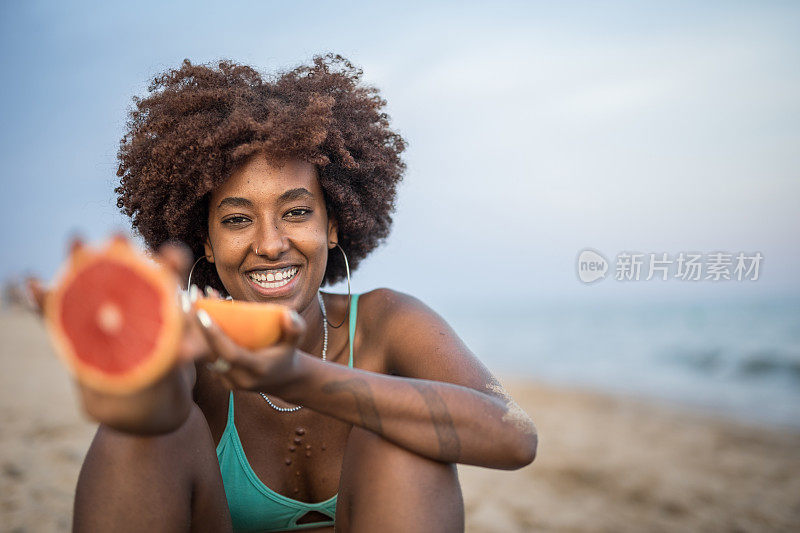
[(535, 130)]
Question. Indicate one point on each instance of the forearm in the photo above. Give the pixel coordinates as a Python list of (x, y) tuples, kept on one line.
[(160, 408), (438, 420)]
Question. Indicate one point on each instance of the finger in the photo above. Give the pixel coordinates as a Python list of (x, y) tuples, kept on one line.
[(221, 345), (36, 294), (193, 343), (76, 242), (177, 257), (211, 292), (293, 328)]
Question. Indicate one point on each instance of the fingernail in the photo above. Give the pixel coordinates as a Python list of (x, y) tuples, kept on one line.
[(186, 304), (208, 290), (205, 320), (194, 293)]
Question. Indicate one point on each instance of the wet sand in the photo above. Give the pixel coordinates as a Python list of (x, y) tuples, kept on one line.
[(605, 463)]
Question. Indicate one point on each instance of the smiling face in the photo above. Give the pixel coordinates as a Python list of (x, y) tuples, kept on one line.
[(279, 211)]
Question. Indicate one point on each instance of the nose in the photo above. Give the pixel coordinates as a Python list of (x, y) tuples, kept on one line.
[(271, 242)]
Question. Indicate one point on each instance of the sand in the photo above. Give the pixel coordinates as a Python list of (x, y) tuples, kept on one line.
[(605, 463)]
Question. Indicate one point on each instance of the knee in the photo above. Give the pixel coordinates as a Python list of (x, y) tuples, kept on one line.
[(387, 485), (373, 454), (115, 453), (135, 483)]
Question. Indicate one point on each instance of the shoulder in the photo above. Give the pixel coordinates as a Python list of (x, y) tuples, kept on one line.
[(396, 323), (383, 308)]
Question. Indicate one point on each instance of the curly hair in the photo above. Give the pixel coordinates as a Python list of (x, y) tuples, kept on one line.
[(198, 124)]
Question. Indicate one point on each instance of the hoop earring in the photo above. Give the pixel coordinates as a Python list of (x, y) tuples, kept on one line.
[(349, 294), (189, 282)]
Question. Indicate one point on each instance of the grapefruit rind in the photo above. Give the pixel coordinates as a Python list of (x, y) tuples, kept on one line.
[(165, 350), (252, 325)]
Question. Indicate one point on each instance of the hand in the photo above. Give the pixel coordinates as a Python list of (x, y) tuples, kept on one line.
[(176, 257), (260, 370), (165, 402)]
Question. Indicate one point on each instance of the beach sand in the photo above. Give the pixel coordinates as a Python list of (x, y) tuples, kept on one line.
[(604, 463)]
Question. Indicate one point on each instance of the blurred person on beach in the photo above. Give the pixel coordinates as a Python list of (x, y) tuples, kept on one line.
[(264, 190)]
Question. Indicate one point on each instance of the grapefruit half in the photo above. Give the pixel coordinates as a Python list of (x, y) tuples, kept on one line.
[(114, 318), (252, 325)]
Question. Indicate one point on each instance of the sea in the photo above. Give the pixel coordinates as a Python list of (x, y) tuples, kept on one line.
[(736, 358)]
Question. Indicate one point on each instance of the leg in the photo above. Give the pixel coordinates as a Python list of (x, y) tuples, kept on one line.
[(384, 487), (167, 483)]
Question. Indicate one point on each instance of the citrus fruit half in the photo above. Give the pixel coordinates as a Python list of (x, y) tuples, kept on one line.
[(114, 318), (252, 325)]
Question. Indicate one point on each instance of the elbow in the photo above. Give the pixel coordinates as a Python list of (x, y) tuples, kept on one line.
[(524, 448), (527, 452)]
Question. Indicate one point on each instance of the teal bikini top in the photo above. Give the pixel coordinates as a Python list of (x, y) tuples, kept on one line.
[(253, 505)]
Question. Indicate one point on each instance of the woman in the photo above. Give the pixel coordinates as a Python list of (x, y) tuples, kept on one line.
[(363, 408)]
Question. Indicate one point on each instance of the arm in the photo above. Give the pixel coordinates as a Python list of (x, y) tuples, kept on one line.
[(164, 405), (158, 409), (443, 405), (438, 420)]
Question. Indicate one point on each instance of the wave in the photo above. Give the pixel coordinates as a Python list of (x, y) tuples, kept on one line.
[(747, 364)]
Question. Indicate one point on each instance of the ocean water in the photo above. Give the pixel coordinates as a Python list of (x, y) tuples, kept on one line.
[(739, 358)]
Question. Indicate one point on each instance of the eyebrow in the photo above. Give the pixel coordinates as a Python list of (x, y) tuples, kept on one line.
[(291, 194)]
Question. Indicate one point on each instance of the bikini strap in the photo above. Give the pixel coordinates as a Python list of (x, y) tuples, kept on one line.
[(353, 314), (230, 410)]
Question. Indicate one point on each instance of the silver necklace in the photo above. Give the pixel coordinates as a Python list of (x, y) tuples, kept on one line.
[(324, 353)]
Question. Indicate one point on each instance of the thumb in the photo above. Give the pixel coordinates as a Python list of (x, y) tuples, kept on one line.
[(177, 257), (294, 327)]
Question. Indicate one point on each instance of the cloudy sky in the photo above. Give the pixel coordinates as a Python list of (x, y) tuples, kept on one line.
[(535, 130)]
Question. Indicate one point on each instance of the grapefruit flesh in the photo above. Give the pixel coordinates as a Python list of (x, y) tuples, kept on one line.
[(252, 325), (114, 318)]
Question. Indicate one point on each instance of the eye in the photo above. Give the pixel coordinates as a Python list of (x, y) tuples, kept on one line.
[(299, 212), (235, 220)]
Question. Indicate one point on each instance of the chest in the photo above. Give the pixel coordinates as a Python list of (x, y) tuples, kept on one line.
[(296, 454)]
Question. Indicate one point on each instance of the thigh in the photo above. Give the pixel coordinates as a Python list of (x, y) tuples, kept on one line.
[(387, 488), (161, 483)]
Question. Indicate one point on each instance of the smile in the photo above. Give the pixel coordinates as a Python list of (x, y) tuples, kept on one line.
[(272, 279)]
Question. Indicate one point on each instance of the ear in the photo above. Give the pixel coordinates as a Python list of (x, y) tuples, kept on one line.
[(333, 232), (209, 251)]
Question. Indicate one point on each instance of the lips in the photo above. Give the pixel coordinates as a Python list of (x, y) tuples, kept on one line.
[(273, 288), (273, 277)]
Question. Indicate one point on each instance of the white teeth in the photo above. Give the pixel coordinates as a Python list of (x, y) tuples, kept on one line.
[(274, 278)]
